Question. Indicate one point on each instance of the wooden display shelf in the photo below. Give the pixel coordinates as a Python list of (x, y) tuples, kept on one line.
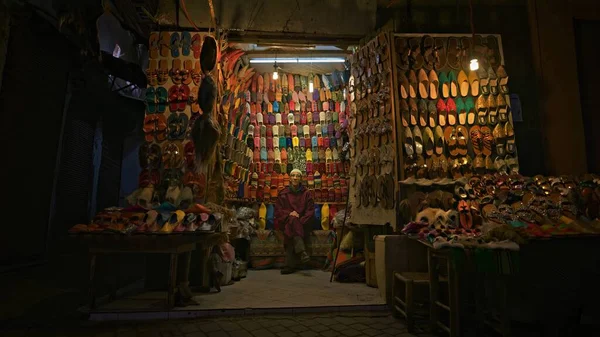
[(248, 201)]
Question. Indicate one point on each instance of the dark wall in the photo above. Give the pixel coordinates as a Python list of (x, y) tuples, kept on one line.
[(512, 23), (31, 103)]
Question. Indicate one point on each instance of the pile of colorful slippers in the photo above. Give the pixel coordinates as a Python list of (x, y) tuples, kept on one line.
[(499, 211), (135, 220)]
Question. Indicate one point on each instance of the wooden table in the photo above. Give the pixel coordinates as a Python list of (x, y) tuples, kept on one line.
[(172, 244)]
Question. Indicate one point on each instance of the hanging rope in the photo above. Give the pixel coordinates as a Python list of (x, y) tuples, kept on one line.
[(212, 16), (187, 14)]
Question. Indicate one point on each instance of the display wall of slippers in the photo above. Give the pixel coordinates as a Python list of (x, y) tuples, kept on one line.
[(455, 121), (373, 142), (179, 66), (281, 126)]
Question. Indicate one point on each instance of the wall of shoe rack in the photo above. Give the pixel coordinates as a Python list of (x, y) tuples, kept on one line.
[(167, 156), (276, 126), (454, 121), (414, 108)]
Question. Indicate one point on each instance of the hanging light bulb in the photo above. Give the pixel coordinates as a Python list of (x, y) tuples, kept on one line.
[(275, 74), (474, 65)]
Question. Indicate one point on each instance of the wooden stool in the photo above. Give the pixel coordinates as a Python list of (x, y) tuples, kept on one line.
[(405, 306), (434, 257)]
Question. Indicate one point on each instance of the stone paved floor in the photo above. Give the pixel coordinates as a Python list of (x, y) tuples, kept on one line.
[(266, 289), (351, 324)]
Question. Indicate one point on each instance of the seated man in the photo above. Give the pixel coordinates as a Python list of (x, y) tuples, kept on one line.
[(294, 210)]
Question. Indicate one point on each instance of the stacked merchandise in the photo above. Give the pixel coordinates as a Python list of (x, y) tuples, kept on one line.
[(455, 121), (279, 125), (179, 132), (501, 212), (164, 219), (373, 150)]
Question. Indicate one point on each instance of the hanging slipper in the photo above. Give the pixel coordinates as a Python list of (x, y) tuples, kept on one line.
[(428, 141), (503, 79), (150, 100), (428, 51), (488, 140), (484, 81), (474, 83), (451, 142), (186, 43), (453, 84), (164, 44), (493, 110), (442, 112), (476, 140), (463, 84), (503, 108), (440, 53), (453, 53), (433, 114), (423, 84), (462, 140), (465, 52), (174, 44), (439, 140), (470, 109), (208, 54), (451, 111), (434, 84), (152, 73), (422, 111), (196, 45), (482, 110)]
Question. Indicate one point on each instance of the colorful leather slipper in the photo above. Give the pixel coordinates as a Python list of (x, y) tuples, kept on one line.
[(493, 110), (488, 140), (177, 125), (428, 51), (500, 138), (408, 142), (150, 100), (493, 81), (470, 108), (152, 73), (444, 89), (461, 111), (474, 83), (196, 45), (462, 137), (503, 108), (414, 112), (476, 140), (442, 112), (453, 53), (417, 59), (404, 85), (484, 81), (413, 84), (503, 79), (422, 109), (174, 220), (423, 84), (174, 44), (439, 140), (434, 84), (453, 83), (153, 45), (418, 140), (186, 43), (463, 84), (428, 141), (440, 53), (433, 115), (165, 43), (451, 108), (482, 110)]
